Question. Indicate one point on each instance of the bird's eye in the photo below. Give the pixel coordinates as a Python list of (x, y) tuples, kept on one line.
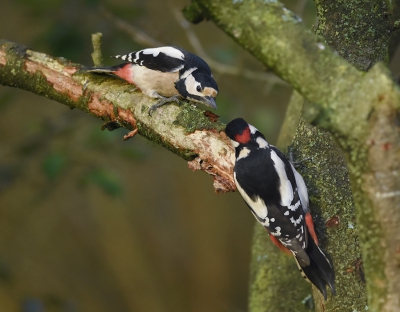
[(198, 89)]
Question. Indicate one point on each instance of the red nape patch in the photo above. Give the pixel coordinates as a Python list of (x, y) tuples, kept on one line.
[(310, 227), (244, 137), (125, 73), (279, 244)]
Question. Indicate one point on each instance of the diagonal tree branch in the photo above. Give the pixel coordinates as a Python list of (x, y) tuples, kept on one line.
[(185, 130), (276, 37)]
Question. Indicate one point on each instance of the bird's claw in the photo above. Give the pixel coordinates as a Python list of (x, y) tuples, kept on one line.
[(162, 102), (297, 163)]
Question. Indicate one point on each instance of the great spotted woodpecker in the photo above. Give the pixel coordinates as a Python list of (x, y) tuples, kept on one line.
[(277, 196), (166, 73)]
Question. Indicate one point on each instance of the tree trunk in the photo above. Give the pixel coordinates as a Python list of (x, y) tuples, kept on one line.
[(360, 111)]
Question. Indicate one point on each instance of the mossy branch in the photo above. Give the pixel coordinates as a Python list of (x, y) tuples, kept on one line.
[(276, 37), (184, 130)]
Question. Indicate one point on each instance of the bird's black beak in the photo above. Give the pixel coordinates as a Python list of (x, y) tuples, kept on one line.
[(210, 101)]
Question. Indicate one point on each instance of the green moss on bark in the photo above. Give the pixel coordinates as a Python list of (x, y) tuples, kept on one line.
[(356, 29), (332, 207), (192, 118)]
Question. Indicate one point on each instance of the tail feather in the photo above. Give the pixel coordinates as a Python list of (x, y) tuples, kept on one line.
[(106, 70), (325, 266), (312, 276), (320, 272)]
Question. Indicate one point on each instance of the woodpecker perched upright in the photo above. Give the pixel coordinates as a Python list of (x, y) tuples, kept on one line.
[(166, 73), (277, 196)]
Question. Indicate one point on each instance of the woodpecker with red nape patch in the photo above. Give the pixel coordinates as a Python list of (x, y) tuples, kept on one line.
[(166, 73), (277, 196)]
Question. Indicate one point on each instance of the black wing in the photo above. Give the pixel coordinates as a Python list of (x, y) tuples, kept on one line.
[(163, 59)]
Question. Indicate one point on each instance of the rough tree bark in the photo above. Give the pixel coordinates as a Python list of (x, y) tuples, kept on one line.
[(362, 42), (359, 109)]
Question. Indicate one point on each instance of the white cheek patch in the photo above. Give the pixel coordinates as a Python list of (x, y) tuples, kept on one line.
[(191, 86), (285, 188), (170, 51), (257, 206)]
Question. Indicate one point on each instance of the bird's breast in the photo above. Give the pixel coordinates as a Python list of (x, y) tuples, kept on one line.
[(151, 81)]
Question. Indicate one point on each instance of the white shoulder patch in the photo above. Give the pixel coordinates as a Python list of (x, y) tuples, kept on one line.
[(253, 129), (257, 206), (191, 85), (285, 188), (262, 143), (170, 51), (302, 189), (243, 153)]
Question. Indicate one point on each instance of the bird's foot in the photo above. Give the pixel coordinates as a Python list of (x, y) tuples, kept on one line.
[(163, 101)]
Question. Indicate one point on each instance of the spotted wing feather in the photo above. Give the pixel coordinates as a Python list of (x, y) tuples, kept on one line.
[(164, 59)]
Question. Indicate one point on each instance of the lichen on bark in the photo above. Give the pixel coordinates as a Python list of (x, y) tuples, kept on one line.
[(349, 27)]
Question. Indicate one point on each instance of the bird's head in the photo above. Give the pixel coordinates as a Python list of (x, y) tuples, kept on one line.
[(240, 132), (198, 86)]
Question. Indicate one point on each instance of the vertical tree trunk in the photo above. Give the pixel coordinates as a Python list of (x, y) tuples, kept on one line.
[(362, 115)]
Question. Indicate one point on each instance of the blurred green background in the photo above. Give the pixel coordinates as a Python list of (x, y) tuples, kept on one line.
[(91, 223)]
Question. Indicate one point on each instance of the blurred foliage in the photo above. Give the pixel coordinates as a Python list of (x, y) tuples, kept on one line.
[(62, 23), (33, 305), (224, 55), (53, 165), (5, 274), (105, 180), (6, 98), (7, 175)]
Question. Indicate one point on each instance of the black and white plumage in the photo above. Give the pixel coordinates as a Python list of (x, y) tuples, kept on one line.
[(277, 196), (166, 73)]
